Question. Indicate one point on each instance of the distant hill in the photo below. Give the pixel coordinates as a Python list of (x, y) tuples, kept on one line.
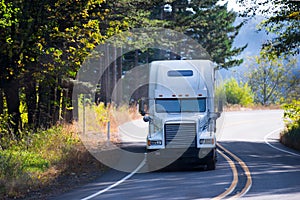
[(248, 34)]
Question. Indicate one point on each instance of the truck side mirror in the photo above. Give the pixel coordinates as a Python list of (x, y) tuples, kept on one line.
[(147, 118), (214, 115), (141, 107)]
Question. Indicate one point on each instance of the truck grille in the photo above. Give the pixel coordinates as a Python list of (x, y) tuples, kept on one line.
[(180, 135)]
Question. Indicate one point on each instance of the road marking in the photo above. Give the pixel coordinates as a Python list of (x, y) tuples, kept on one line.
[(234, 181), (246, 170), (279, 149), (118, 182)]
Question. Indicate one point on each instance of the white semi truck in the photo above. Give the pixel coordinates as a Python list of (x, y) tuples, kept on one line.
[(181, 113)]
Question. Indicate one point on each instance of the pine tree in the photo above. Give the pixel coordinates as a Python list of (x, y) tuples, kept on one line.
[(211, 25)]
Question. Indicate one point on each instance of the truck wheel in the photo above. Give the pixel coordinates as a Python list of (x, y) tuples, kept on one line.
[(211, 165)]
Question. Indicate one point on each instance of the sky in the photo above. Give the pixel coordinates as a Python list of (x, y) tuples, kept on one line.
[(232, 5)]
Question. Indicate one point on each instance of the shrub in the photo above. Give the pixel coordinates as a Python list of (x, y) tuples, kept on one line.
[(6, 132), (238, 93), (291, 135)]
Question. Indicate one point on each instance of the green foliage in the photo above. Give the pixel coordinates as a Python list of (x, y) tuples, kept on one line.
[(238, 93), (102, 113), (291, 135), (271, 78), (6, 15), (44, 43), (282, 21), (212, 26), (22, 161), (292, 116), (6, 132)]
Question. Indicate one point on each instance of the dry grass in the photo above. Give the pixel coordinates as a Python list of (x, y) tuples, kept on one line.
[(93, 128), (22, 169), (237, 107), (66, 149)]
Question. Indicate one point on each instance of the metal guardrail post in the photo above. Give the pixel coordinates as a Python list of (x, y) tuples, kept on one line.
[(108, 132)]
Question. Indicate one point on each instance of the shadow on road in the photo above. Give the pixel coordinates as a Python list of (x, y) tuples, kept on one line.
[(273, 172)]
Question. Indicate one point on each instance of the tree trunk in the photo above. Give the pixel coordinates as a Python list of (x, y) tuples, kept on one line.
[(108, 72), (55, 102), (69, 114), (113, 67), (31, 102), (13, 103), (1, 102), (119, 75), (44, 117), (136, 58)]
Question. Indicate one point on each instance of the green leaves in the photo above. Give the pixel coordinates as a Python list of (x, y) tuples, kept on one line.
[(212, 26), (238, 93), (282, 20), (271, 78), (292, 121), (6, 14)]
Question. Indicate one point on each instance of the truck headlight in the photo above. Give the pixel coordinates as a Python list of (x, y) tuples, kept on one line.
[(207, 141), (154, 142)]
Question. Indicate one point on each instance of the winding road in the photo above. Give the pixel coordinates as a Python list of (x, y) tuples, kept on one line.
[(252, 164)]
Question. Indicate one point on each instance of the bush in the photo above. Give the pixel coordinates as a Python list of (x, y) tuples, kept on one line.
[(24, 161), (6, 132), (291, 136), (238, 93)]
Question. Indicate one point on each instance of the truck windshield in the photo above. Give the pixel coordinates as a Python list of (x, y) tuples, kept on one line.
[(180, 105)]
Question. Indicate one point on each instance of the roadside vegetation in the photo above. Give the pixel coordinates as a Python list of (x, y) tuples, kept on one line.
[(238, 93), (269, 82), (38, 158), (291, 135), (42, 158)]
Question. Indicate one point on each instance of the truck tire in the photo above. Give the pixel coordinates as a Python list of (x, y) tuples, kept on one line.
[(211, 165)]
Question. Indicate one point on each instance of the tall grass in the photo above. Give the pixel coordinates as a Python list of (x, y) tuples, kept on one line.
[(38, 158), (95, 119), (24, 162)]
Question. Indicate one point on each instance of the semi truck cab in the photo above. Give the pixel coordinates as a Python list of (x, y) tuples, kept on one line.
[(181, 113)]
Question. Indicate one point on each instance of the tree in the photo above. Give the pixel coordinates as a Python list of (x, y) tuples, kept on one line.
[(9, 57), (283, 20), (272, 79), (207, 22), (238, 93), (211, 25), (42, 45)]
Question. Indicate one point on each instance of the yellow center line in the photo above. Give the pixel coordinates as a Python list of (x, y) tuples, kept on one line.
[(246, 170), (234, 181)]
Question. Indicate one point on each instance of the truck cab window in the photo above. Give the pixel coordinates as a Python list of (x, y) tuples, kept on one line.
[(180, 105), (167, 105)]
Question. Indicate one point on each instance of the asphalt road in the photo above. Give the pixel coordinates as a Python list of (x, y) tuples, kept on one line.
[(250, 135)]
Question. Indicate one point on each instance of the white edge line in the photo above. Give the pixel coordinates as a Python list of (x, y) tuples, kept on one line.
[(247, 190), (279, 149), (117, 183), (143, 163)]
